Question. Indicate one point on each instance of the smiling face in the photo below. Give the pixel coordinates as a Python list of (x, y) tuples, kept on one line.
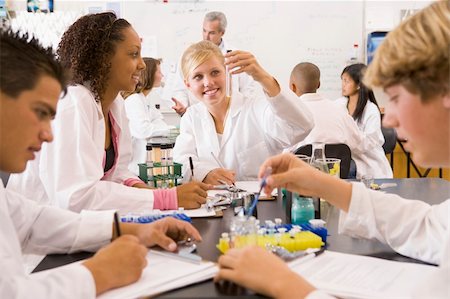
[(207, 82), (25, 123), (127, 63), (425, 125)]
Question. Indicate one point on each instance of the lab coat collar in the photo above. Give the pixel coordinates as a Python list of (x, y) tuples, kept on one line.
[(311, 97), (237, 101), (116, 131)]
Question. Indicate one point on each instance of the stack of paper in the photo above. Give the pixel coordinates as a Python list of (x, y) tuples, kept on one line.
[(163, 274), (355, 276)]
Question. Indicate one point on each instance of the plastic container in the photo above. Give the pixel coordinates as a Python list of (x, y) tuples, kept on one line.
[(302, 209)]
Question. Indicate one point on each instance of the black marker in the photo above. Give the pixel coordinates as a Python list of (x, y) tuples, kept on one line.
[(117, 225), (191, 165)]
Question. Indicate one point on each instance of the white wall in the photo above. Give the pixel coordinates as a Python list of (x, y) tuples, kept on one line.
[(279, 33)]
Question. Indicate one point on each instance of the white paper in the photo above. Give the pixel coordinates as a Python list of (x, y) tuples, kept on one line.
[(162, 274), (355, 276)]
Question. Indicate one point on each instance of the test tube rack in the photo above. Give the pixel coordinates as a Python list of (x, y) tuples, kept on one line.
[(301, 240), (161, 175), (151, 217)]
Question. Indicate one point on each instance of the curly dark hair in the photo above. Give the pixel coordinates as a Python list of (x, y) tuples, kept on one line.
[(23, 60), (88, 46)]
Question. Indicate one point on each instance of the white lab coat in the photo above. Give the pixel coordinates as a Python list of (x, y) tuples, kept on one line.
[(68, 172), (28, 227), (241, 82), (411, 227), (333, 124), (375, 162), (145, 122), (255, 129)]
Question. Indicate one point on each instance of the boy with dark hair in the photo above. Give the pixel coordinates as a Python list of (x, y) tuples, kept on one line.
[(31, 82)]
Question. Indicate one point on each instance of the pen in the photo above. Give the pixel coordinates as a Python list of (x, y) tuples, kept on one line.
[(117, 225), (219, 163), (310, 256), (217, 160), (191, 165)]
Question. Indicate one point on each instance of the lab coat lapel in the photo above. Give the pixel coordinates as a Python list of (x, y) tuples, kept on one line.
[(209, 127)]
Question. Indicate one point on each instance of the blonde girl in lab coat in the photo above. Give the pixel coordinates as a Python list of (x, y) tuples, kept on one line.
[(415, 77), (363, 107), (145, 121), (86, 167), (229, 137)]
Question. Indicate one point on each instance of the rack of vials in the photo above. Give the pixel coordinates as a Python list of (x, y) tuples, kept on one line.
[(160, 171), (246, 231)]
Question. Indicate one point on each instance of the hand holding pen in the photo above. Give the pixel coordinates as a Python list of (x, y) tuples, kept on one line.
[(217, 175)]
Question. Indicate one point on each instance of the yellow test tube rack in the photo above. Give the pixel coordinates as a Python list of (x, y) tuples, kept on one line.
[(299, 241)]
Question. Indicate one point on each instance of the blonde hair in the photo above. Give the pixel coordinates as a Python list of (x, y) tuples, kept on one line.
[(416, 54), (197, 54)]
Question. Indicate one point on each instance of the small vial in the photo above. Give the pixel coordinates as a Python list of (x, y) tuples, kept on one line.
[(317, 223), (156, 157), (251, 231), (149, 165), (164, 170), (278, 222), (169, 161), (282, 230), (271, 229), (294, 231)]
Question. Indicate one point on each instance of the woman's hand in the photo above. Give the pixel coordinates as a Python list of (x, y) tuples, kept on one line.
[(241, 61), (192, 195), (219, 175)]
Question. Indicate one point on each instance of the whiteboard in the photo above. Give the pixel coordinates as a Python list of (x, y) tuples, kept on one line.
[(279, 34)]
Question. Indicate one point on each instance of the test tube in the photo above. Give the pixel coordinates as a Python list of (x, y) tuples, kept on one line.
[(156, 156), (228, 81), (149, 165), (169, 161), (164, 165)]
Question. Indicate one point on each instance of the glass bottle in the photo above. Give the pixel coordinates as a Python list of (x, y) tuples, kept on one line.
[(302, 209)]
